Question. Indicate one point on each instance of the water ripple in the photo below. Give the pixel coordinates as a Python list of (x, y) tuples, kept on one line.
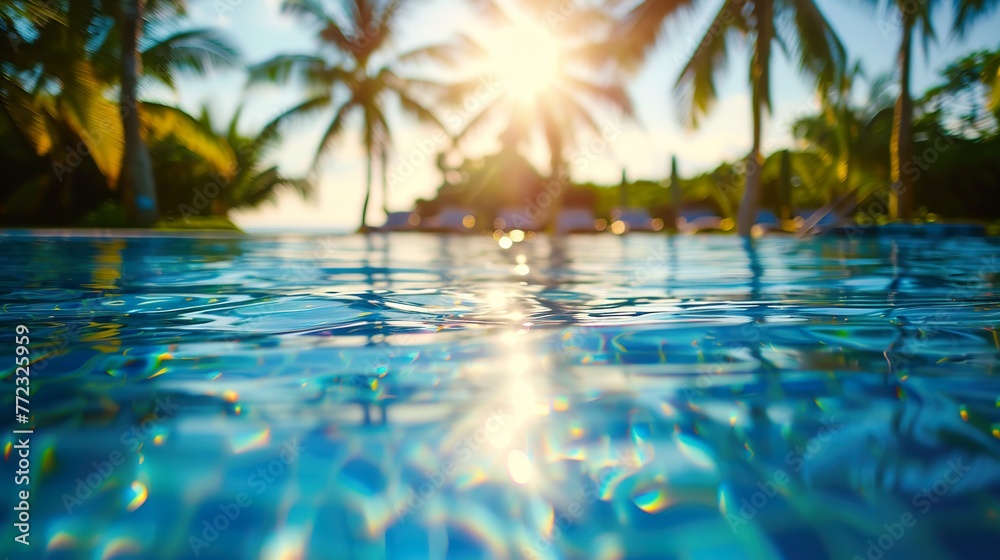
[(412, 396)]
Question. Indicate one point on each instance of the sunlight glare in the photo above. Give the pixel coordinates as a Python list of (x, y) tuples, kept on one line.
[(524, 58), (519, 466)]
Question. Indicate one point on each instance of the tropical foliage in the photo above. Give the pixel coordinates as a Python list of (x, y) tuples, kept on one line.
[(62, 127), (195, 185), (561, 107), (81, 142), (351, 35), (913, 18), (799, 28)]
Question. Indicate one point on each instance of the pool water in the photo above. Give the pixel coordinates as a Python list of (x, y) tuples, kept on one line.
[(417, 396)]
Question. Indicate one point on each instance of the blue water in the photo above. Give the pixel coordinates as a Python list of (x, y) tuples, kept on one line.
[(414, 396)]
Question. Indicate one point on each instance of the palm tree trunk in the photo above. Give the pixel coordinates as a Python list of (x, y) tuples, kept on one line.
[(844, 171), (368, 193), (385, 181), (675, 190), (747, 215), (785, 210), (557, 176), (138, 189), (901, 150)]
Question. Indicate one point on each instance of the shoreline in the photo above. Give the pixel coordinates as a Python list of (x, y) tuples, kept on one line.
[(896, 229)]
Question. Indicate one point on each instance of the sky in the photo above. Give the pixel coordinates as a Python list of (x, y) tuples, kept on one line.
[(641, 146)]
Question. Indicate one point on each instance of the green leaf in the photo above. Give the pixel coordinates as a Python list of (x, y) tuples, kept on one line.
[(29, 118), (162, 121), (95, 119), (196, 51)]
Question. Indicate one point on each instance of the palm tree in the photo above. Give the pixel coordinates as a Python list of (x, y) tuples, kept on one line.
[(676, 198), (69, 61), (565, 104), (352, 37), (252, 183), (138, 189), (192, 49), (798, 27), (966, 14), (911, 15), (836, 128), (837, 109), (854, 138), (969, 90)]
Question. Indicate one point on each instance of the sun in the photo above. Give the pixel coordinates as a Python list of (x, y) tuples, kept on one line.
[(524, 58)]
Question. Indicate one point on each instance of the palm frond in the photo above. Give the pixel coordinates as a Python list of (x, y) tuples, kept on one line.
[(333, 131), (281, 68), (266, 185), (968, 11), (309, 8), (330, 30), (554, 130), (196, 51), (232, 131), (305, 109), (991, 78), (377, 134), (417, 109), (28, 117), (94, 119), (376, 35), (569, 106), (491, 108), (39, 12), (613, 94), (696, 83), (642, 28), (879, 92), (456, 93), (462, 48), (162, 121), (492, 11), (403, 90), (760, 59), (821, 55)]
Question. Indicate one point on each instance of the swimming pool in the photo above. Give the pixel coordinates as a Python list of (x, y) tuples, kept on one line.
[(419, 396)]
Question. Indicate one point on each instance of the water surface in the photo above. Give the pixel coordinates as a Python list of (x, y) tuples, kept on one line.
[(417, 396)]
